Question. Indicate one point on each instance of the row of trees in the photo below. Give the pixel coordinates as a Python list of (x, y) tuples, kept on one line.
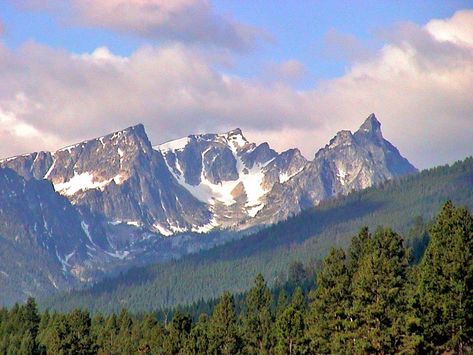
[(368, 299)]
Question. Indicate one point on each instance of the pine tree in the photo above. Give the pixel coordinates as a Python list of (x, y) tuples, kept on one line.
[(79, 338), (445, 287), (257, 319), (359, 246), (178, 332), (223, 330), (379, 294), (125, 342), (198, 341), (298, 299), (27, 346), (290, 327), (30, 318), (281, 302), (331, 302)]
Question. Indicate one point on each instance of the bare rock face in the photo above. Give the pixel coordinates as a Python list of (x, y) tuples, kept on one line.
[(205, 181), (351, 161), (109, 200)]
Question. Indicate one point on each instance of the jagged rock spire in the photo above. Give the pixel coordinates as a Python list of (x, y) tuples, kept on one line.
[(371, 127)]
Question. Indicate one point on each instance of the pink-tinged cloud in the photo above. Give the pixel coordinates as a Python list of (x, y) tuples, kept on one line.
[(191, 21), (419, 85)]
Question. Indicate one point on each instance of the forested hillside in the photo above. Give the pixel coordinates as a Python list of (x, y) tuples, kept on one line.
[(367, 299), (399, 204)]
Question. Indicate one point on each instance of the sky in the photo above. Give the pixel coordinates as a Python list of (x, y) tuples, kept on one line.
[(291, 73)]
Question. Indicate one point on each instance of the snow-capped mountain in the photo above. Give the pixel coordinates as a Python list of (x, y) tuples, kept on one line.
[(228, 173), (107, 203), (207, 181)]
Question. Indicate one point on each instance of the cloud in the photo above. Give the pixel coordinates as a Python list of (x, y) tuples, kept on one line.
[(190, 21), (345, 46), (419, 86), (290, 70)]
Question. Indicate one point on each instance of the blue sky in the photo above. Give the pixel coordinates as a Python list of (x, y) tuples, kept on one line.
[(289, 72), (299, 30)]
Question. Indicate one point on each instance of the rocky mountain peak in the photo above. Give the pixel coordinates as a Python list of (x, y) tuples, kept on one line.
[(371, 127)]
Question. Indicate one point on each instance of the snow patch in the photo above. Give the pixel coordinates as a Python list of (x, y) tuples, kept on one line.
[(68, 256), (206, 227), (50, 170), (83, 182), (177, 144), (162, 230), (118, 254), (63, 262), (85, 228), (133, 223), (53, 282), (69, 147), (284, 177), (342, 175), (253, 211)]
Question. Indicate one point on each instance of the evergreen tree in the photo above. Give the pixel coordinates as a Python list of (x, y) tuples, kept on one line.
[(27, 346), (257, 318), (125, 342), (198, 341), (298, 299), (445, 287), (290, 327), (79, 338), (56, 340), (30, 318), (177, 333), (223, 330), (359, 246), (379, 294), (329, 321), (281, 302)]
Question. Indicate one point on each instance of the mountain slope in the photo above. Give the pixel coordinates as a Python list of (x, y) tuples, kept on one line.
[(41, 237), (305, 237), (117, 198)]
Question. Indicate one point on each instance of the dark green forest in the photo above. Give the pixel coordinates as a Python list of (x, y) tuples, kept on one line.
[(405, 205), (376, 296)]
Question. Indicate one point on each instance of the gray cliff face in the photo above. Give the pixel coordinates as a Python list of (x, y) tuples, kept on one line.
[(119, 177), (351, 161), (360, 160), (106, 203)]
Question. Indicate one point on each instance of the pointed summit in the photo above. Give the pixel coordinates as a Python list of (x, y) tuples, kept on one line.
[(371, 127)]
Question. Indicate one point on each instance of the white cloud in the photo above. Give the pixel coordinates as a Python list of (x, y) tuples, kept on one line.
[(419, 85)]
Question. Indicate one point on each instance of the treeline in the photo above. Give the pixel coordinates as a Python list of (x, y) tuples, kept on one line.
[(368, 299)]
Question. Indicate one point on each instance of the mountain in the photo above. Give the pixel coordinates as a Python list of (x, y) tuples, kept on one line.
[(244, 184), (205, 181), (229, 174), (114, 200), (405, 204)]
